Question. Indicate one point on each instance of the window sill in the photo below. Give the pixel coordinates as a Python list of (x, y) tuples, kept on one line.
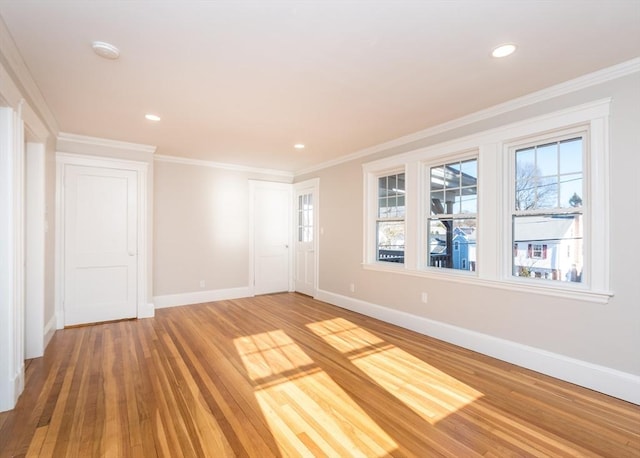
[(517, 285)]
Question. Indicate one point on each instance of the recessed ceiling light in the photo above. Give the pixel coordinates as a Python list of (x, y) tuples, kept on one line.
[(298, 146), (152, 117), (503, 50), (106, 50)]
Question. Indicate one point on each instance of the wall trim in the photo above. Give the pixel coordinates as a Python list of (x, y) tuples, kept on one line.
[(18, 67), (59, 315), (49, 331), (221, 165), (17, 385), (35, 241), (147, 312), (199, 297), (12, 254), (105, 142), (603, 379), (576, 84)]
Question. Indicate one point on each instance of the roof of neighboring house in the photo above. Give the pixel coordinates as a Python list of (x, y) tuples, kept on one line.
[(544, 228)]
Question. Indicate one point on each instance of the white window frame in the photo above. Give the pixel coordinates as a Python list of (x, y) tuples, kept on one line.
[(371, 214), (581, 131), (426, 206), (494, 241)]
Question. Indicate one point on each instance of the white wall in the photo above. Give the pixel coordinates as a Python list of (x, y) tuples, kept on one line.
[(571, 334), (201, 231)]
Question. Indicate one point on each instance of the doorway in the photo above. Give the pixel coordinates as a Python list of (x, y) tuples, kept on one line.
[(103, 239), (271, 222), (306, 237)]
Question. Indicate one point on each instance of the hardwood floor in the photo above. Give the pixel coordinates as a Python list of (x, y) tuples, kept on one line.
[(286, 375)]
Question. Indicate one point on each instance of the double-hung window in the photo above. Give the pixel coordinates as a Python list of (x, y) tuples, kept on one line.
[(522, 207), (390, 224), (453, 206), (548, 208)]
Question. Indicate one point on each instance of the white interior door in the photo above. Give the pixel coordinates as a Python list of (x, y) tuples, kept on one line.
[(305, 238), (100, 244), (271, 236)]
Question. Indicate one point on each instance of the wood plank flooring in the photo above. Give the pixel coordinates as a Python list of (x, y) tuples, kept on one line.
[(285, 375)]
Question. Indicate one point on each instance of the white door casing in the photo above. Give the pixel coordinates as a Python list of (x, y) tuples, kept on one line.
[(102, 239), (12, 255), (306, 236), (35, 233), (271, 217)]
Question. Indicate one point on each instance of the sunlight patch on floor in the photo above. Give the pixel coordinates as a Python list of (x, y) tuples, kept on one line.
[(344, 336), (308, 413), (270, 353), (426, 390)]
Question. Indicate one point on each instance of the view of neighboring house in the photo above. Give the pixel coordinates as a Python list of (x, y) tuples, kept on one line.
[(548, 246), (463, 256)]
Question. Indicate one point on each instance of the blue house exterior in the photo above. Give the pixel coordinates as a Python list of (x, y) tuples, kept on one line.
[(460, 252), (462, 256)]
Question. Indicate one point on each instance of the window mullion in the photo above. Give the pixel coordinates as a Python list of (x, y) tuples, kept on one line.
[(412, 215), (597, 164)]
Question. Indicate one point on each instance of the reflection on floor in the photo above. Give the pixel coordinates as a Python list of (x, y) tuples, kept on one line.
[(285, 375)]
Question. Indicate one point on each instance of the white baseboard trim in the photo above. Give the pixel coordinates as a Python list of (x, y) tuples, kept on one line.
[(147, 311), (19, 383), (49, 331), (199, 297), (59, 319), (603, 379), (15, 387)]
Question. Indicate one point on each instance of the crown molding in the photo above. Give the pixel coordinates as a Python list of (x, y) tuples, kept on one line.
[(591, 79), (16, 66), (105, 142), (9, 92), (222, 165)]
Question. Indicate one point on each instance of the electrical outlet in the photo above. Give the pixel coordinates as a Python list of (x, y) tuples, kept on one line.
[(424, 297), (202, 284), (352, 288)]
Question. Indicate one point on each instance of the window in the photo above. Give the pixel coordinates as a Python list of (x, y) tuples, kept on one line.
[(305, 218), (536, 251), (547, 213), (451, 224), (390, 226), (521, 207)]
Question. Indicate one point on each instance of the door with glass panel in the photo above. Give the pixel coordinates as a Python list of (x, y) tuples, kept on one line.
[(305, 235)]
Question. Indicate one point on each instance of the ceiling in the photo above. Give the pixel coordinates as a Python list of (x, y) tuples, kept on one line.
[(242, 81)]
